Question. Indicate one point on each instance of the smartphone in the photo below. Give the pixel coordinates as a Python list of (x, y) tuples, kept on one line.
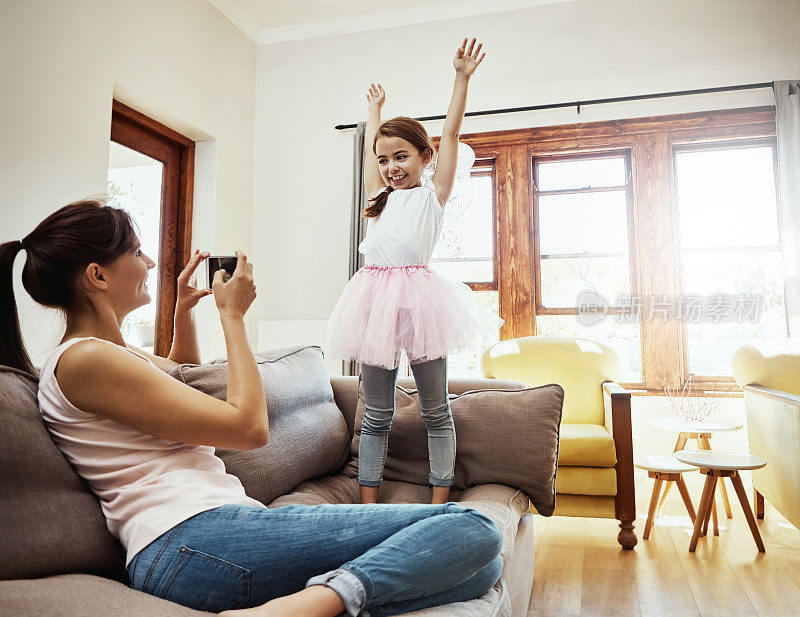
[(220, 262)]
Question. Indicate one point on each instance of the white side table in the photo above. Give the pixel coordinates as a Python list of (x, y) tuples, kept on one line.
[(700, 431), (721, 465), (664, 469)]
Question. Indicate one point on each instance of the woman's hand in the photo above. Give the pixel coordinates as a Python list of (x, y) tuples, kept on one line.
[(376, 97), (467, 60), (234, 297), (188, 293)]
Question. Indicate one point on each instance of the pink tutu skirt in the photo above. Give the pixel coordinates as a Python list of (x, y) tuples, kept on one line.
[(385, 309)]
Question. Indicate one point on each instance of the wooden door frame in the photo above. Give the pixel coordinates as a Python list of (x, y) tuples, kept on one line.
[(136, 131)]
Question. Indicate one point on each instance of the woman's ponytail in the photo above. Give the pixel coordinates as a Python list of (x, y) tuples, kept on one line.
[(58, 250), (12, 349)]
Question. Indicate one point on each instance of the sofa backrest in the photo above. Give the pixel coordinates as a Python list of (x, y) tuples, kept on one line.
[(50, 522), (345, 390), (308, 435)]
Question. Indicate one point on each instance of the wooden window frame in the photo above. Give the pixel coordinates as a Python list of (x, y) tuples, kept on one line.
[(654, 243), (136, 131)]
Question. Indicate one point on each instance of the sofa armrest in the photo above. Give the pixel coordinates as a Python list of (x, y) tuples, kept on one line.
[(778, 395), (617, 416)]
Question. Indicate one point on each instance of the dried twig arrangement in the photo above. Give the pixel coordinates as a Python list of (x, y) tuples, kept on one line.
[(690, 407)]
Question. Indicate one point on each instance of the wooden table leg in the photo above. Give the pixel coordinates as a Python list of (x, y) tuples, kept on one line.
[(710, 511), (722, 490), (651, 513), (687, 500), (703, 444), (679, 445), (748, 514), (702, 510)]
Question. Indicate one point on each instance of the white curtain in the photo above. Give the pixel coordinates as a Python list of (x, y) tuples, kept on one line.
[(358, 228), (787, 119)]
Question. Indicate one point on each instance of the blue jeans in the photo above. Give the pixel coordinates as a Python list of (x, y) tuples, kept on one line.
[(379, 384), (381, 559)]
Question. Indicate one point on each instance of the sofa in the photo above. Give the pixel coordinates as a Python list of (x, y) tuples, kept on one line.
[(769, 374), (58, 559)]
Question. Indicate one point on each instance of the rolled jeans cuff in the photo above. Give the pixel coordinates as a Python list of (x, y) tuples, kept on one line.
[(439, 482), (348, 586)]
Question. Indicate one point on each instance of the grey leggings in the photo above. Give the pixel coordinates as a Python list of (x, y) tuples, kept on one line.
[(379, 384)]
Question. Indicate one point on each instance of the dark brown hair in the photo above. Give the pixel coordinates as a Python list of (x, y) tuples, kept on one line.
[(414, 133), (58, 250)]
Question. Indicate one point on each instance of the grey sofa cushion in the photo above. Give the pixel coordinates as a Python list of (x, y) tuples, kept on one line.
[(83, 595), (502, 436), (308, 434), (50, 522)]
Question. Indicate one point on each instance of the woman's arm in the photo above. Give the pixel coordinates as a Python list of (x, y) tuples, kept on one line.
[(465, 63), (184, 337), (184, 347), (100, 378), (373, 181)]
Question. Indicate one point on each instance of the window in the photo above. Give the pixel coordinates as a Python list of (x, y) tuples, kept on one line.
[(581, 231), (466, 252), (730, 251), (134, 180), (608, 229), (151, 171)]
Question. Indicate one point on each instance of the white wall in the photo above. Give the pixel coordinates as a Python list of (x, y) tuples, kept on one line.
[(588, 49), (560, 52), (181, 62)]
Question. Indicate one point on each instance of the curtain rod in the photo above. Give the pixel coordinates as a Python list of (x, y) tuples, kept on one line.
[(579, 104)]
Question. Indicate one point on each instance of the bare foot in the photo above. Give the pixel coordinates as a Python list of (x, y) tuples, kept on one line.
[(369, 494), (441, 494), (314, 601)]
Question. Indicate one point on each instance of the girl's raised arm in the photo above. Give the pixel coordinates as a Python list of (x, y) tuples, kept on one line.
[(373, 181), (466, 61)]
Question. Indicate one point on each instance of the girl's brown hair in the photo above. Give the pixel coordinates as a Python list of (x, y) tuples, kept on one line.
[(414, 133), (58, 250)]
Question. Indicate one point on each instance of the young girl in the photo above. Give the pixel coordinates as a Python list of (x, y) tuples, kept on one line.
[(144, 442), (396, 301)]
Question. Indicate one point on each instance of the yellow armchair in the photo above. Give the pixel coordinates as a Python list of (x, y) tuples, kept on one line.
[(769, 374), (595, 458)]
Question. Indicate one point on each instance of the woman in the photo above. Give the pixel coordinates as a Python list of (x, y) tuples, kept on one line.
[(144, 442)]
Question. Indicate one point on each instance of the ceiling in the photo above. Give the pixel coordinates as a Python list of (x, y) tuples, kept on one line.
[(272, 21)]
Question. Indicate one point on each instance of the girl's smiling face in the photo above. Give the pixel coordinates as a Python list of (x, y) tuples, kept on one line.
[(401, 164)]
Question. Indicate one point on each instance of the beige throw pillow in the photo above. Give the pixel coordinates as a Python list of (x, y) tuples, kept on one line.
[(502, 436)]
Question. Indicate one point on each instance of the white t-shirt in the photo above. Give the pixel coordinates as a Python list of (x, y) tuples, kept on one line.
[(406, 231), (146, 485)]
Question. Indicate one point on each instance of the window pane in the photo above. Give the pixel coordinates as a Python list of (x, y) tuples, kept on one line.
[(468, 363), (583, 223), (727, 198), (620, 336), (134, 180), (563, 280), (581, 174), (737, 297), (466, 271), (467, 239)]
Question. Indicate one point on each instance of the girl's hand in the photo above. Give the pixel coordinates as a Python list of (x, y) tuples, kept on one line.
[(467, 60), (188, 293), (376, 97), (235, 297)]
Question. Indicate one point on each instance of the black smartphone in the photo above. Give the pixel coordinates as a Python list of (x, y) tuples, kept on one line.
[(220, 262)]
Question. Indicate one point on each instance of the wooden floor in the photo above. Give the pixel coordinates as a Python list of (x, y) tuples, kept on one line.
[(581, 570)]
